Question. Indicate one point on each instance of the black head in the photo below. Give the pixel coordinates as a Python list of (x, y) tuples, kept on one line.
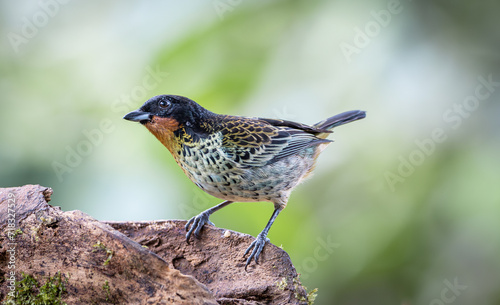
[(180, 108)]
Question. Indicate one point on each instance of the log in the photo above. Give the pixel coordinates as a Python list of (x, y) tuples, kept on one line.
[(70, 257)]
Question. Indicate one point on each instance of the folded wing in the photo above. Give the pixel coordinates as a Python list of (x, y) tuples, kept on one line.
[(257, 142)]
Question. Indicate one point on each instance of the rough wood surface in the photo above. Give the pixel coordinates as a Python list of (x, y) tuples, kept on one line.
[(216, 260), (135, 262)]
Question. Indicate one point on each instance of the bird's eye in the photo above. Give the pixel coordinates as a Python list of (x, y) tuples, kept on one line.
[(163, 104)]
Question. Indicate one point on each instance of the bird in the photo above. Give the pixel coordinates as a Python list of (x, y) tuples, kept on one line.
[(237, 158)]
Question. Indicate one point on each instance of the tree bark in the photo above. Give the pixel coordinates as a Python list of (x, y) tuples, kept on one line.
[(133, 262)]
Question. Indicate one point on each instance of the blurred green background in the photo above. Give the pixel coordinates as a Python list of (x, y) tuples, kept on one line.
[(404, 206)]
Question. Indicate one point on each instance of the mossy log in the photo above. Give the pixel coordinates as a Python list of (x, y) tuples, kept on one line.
[(75, 259)]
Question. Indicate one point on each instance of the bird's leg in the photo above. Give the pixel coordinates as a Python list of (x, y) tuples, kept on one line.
[(199, 220), (259, 242)]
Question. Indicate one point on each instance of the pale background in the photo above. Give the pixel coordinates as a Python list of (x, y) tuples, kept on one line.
[(406, 216)]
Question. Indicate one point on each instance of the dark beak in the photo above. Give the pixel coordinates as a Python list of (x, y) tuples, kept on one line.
[(138, 116)]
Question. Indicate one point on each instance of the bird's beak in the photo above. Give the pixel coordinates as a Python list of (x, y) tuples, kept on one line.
[(138, 116)]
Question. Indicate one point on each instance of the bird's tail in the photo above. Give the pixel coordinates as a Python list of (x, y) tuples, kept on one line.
[(340, 119)]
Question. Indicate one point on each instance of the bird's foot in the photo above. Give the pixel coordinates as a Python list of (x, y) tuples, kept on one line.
[(257, 245), (196, 224)]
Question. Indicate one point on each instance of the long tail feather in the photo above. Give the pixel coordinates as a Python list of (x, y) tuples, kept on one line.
[(341, 119)]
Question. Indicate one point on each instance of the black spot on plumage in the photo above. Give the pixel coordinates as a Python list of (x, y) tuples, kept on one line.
[(280, 142), (249, 139), (245, 155), (178, 133)]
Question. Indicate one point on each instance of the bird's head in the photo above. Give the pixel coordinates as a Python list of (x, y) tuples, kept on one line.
[(163, 115), (168, 108)]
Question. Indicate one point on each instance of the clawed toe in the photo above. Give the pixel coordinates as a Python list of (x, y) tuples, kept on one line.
[(196, 224), (257, 245)]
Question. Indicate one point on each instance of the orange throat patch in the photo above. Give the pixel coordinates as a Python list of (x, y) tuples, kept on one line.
[(163, 129)]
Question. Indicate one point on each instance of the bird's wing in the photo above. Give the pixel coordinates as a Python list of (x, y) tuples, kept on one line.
[(309, 129), (257, 142)]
